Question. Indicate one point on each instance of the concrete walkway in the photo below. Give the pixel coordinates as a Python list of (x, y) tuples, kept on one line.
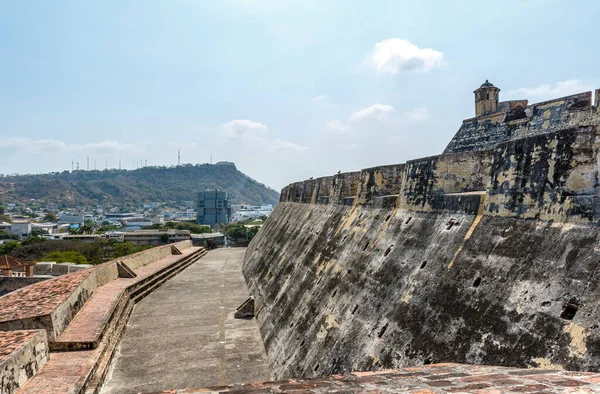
[(184, 334)]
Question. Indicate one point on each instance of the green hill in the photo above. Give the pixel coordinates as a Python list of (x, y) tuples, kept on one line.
[(145, 185)]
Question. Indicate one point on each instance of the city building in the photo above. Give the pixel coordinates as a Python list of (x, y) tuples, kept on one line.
[(242, 212), (155, 237), (20, 228), (214, 206), (209, 239)]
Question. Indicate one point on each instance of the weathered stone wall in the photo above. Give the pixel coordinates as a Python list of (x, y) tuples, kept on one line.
[(22, 354), (485, 254), (483, 133)]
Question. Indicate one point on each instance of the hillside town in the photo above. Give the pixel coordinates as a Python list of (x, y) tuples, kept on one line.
[(148, 226)]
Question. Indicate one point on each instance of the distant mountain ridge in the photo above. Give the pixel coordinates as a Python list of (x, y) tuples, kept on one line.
[(144, 185)]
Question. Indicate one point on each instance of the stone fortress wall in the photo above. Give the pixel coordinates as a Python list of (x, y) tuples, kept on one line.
[(485, 254)]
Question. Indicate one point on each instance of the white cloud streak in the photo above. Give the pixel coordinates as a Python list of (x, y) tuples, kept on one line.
[(417, 115), (248, 131), (243, 129), (377, 112), (30, 146), (547, 91), (286, 146), (396, 55)]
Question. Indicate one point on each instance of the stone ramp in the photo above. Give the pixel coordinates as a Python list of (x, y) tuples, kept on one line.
[(428, 379), (185, 335), (97, 328)]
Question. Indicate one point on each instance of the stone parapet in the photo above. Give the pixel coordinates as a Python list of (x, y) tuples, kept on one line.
[(22, 354)]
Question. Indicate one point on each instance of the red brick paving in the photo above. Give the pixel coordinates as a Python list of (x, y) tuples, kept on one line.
[(456, 378), (89, 323), (68, 372), (41, 298)]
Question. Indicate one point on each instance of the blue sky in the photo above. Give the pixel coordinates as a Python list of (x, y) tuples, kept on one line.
[(285, 89)]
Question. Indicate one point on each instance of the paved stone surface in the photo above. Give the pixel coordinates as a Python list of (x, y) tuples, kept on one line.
[(184, 334), (445, 378)]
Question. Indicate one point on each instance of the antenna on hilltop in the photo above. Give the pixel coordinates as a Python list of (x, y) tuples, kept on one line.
[(178, 156), (211, 158), (72, 164), (94, 164), (146, 163), (77, 166)]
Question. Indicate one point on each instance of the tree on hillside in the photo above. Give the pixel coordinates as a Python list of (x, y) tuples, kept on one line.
[(66, 257), (2, 210), (50, 217)]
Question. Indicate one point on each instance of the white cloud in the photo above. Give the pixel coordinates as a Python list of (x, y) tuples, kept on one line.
[(377, 112), (285, 146), (319, 99), (242, 129), (30, 146), (546, 91), (336, 126), (417, 115), (395, 55), (347, 147)]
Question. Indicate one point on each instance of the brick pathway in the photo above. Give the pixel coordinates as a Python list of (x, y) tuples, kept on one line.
[(437, 378), (68, 372), (89, 323)]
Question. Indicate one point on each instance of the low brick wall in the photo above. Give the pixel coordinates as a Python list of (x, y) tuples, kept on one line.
[(22, 354), (51, 304), (9, 284)]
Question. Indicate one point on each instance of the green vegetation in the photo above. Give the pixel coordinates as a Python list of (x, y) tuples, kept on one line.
[(96, 252), (50, 217), (5, 218), (240, 235), (194, 228), (145, 185), (66, 257), (9, 247)]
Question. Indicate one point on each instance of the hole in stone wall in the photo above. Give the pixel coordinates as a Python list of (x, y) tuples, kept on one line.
[(366, 246), (316, 368), (302, 343), (408, 220), (344, 240), (382, 331), (349, 272), (388, 217), (423, 264), (354, 309), (477, 282), (426, 361), (388, 251), (570, 309), (450, 224), (334, 293)]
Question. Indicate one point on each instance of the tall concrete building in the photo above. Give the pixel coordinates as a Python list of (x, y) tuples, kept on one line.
[(214, 206)]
